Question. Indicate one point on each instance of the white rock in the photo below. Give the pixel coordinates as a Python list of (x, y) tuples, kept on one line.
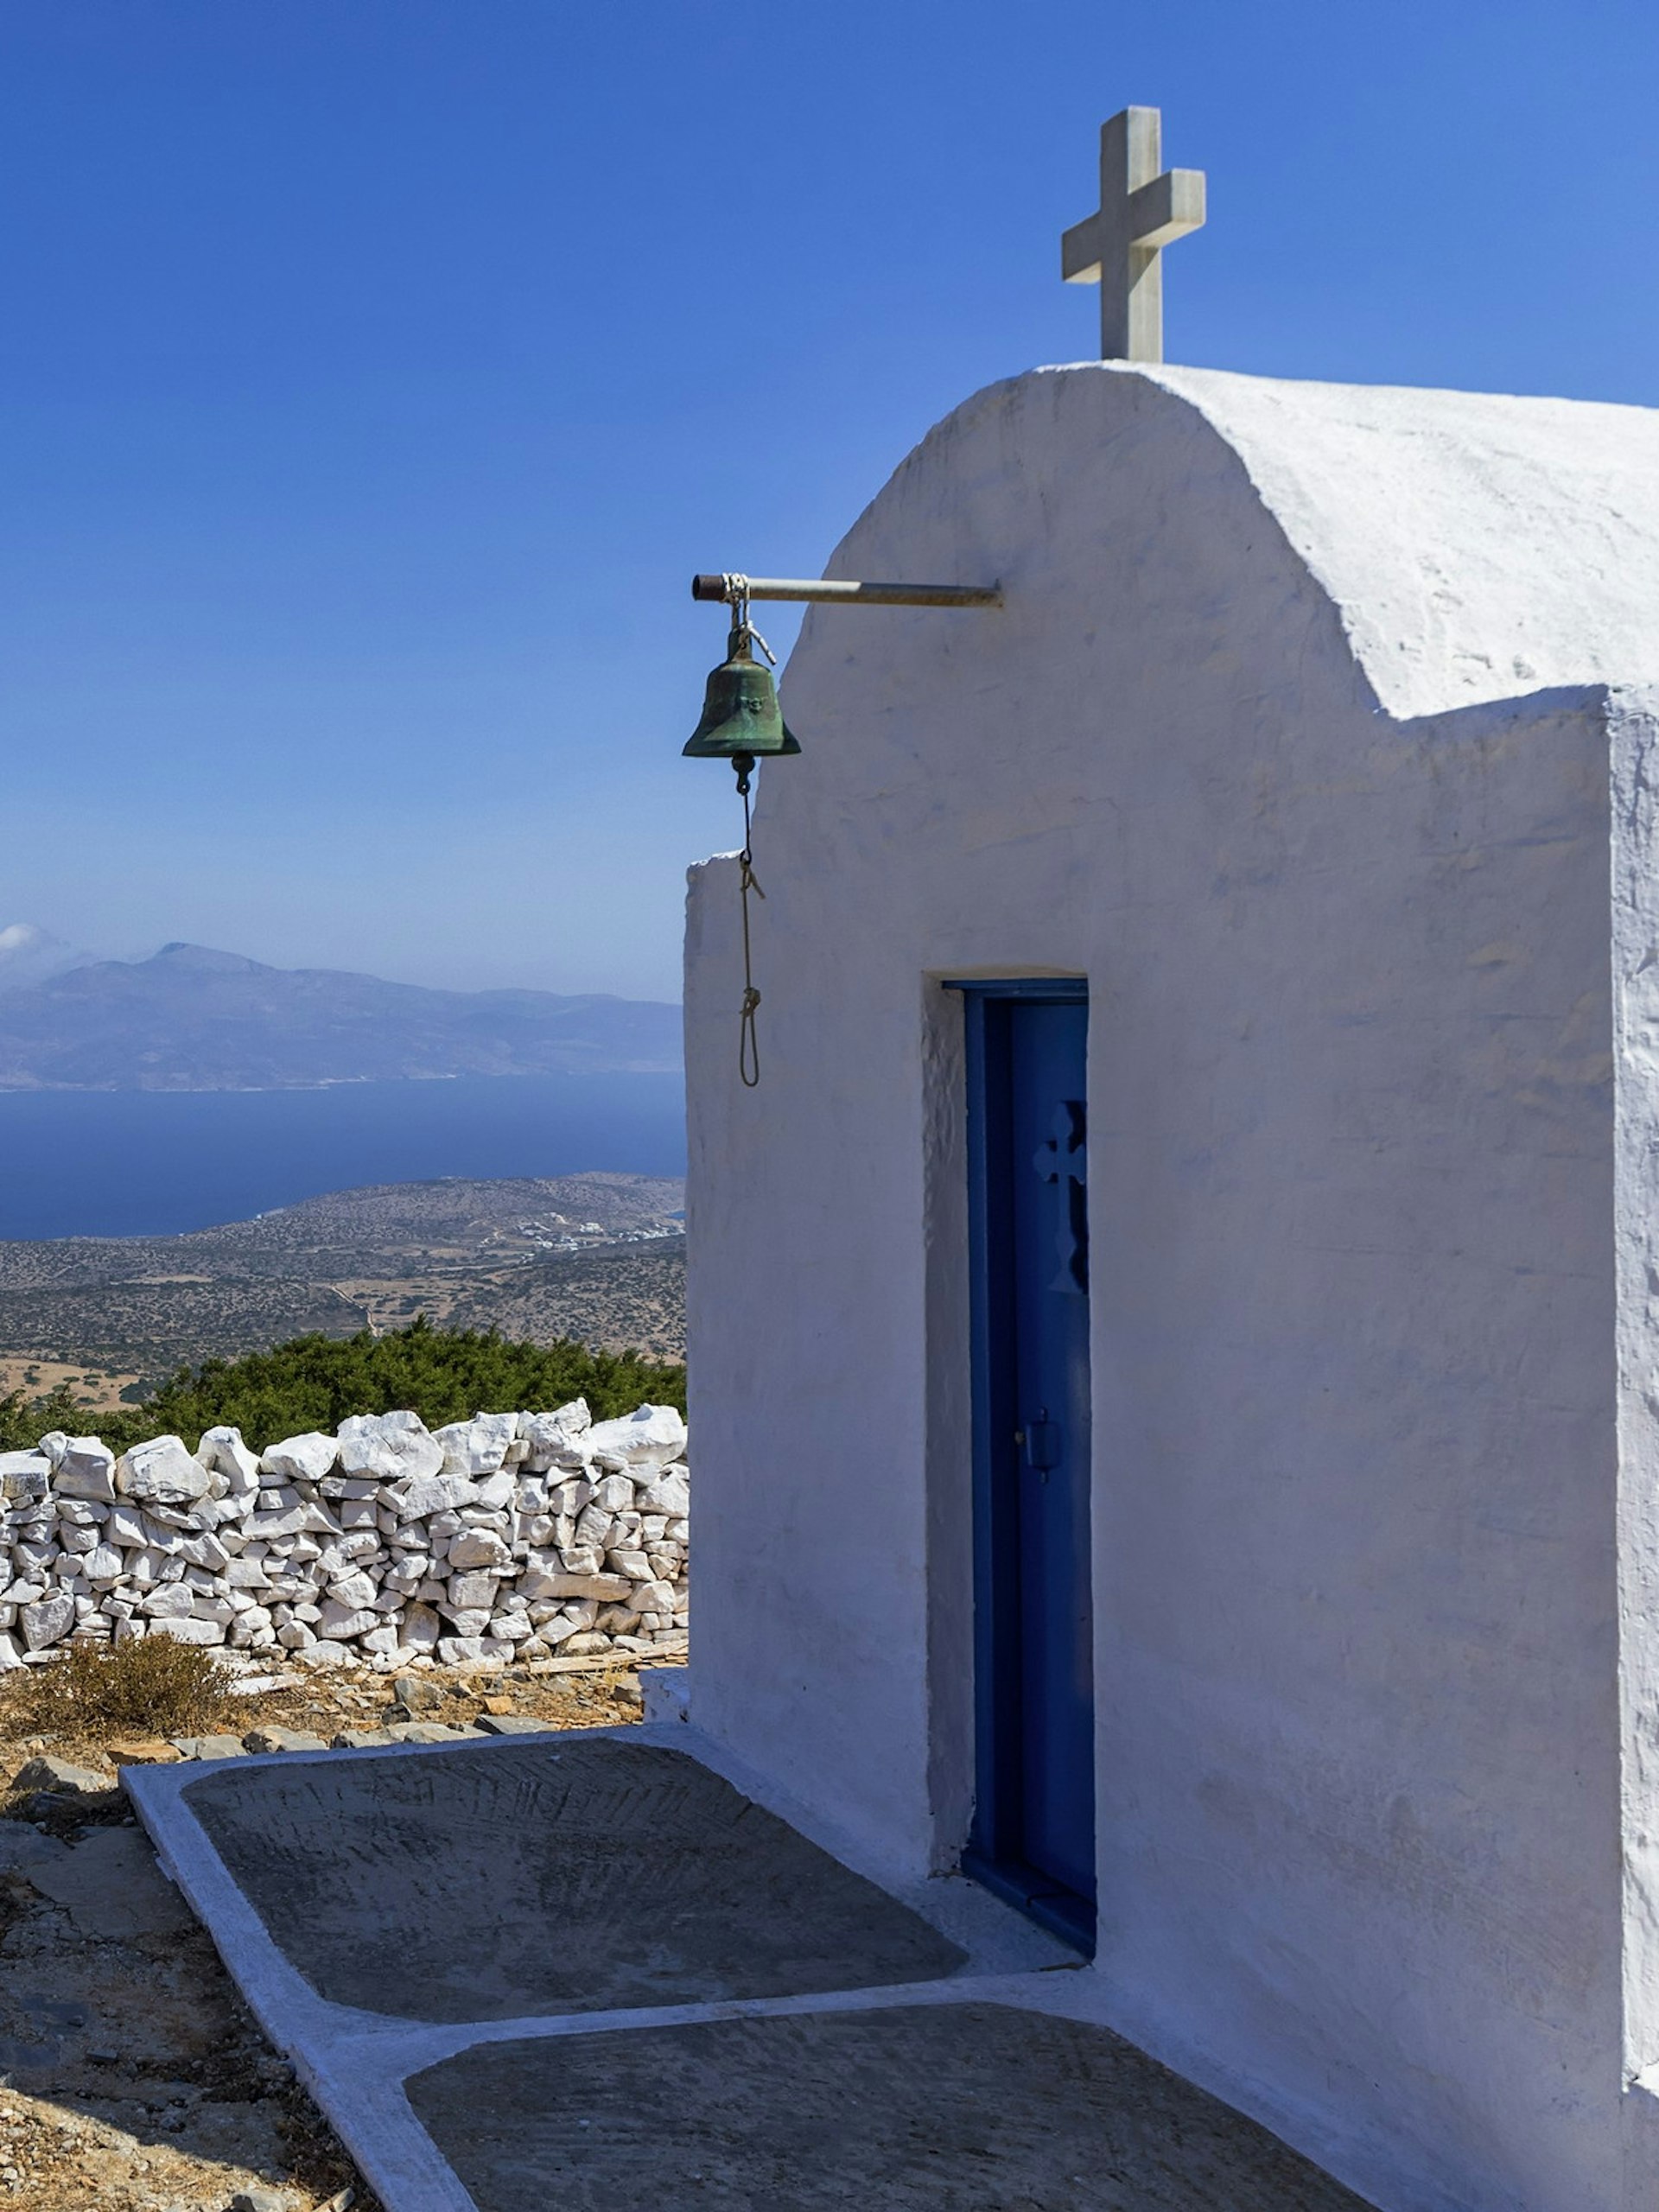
[(44, 1623), (478, 1446), (247, 1575), (86, 1470), (288, 1518), (381, 1641), (329, 1653), (555, 1439), (171, 1601), (651, 1437), (421, 1628), (651, 1598), (161, 1472), (339, 1624), (10, 1656), (461, 1650), (223, 1450), (391, 1446), (189, 1630), (669, 1494), (25, 1474), (307, 1457), (467, 1591), (542, 1582), (205, 1551), (353, 1590), (104, 1564), (468, 1621), (431, 1494), (478, 1547)]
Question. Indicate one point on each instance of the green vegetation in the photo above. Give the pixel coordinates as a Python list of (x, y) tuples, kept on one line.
[(153, 1685), (315, 1381)]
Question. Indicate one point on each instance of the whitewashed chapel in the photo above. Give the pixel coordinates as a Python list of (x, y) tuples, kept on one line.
[(1172, 1331)]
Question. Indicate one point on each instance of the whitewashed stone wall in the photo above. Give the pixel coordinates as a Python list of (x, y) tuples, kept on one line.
[(509, 1537)]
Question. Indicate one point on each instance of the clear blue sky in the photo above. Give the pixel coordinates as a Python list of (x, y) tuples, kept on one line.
[(374, 373)]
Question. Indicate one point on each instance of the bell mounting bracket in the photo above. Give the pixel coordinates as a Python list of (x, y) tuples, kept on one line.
[(729, 590)]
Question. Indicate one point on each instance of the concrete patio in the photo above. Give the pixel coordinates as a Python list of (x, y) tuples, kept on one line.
[(577, 1968)]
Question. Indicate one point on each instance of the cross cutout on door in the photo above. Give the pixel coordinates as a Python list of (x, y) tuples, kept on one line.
[(1063, 1159)]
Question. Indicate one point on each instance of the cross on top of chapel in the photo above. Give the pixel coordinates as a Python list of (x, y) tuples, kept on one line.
[(1120, 247)]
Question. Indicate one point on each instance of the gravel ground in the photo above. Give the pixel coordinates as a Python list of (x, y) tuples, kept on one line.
[(131, 2077)]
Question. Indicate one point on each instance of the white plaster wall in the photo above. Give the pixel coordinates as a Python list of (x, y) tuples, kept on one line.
[(1353, 1198)]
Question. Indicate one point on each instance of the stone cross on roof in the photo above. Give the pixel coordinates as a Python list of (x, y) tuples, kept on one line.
[(1119, 248)]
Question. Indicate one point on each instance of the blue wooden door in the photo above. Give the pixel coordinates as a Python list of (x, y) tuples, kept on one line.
[(1033, 1836)]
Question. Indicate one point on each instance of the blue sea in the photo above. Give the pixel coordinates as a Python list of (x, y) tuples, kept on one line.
[(113, 1163)]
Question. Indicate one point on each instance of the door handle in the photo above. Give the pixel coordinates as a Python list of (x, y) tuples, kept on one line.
[(1041, 1441)]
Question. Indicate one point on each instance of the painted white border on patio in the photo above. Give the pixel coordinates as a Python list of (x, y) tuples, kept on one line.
[(356, 2063)]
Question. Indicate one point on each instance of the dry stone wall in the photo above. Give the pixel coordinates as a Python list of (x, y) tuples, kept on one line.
[(508, 1537)]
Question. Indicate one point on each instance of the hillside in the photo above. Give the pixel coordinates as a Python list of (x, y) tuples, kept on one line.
[(597, 1257), (192, 1018)]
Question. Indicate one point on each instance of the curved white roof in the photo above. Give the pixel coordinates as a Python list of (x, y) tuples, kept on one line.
[(1475, 546)]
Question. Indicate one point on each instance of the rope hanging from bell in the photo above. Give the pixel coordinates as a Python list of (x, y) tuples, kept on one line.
[(742, 722)]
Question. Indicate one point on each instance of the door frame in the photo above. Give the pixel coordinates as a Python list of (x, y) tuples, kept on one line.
[(991, 1855)]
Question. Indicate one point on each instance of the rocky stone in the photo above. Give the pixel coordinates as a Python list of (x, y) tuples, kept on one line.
[(478, 1446), (421, 1628), (170, 1601), (61, 1774), (306, 1458), (339, 1624), (416, 1693), (283, 1739), (204, 1632), (390, 1446), (112, 1888), (423, 1496), (222, 1452), (209, 1747), (478, 1547), (670, 1495), (142, 1751), (652, 1436), (47, 1621), (161, 1473), (86, 1470), (24, 1475)]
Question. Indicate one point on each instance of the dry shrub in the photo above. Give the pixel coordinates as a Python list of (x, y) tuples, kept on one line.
[(151, 1685)]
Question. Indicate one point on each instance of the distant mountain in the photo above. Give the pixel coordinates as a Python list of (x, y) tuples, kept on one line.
[(29, 955), (192, 1018)]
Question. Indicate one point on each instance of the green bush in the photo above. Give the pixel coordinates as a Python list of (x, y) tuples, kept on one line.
[(315, 1381)]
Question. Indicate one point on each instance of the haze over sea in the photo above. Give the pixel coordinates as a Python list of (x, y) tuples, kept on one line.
[(115, 1163)]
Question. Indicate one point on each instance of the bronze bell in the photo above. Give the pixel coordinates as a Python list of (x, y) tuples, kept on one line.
[(740, 713)]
